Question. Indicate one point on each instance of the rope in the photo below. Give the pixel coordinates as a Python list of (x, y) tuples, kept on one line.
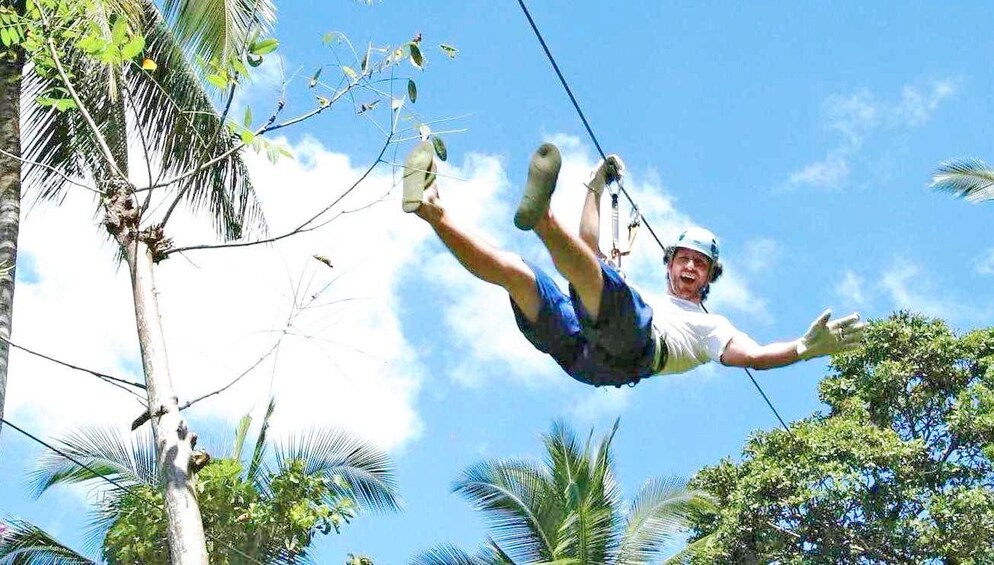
[(597, 144)]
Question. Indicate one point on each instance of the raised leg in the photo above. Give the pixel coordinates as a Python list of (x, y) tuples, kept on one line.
[(573, 257), (481, 259)]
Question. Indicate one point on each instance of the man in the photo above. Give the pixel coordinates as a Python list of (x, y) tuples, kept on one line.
[(603, 333)]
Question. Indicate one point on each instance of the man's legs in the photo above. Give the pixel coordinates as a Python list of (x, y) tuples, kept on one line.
[(481, 259), (572, 256)]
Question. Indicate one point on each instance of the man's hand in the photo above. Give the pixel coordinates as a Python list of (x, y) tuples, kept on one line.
[(607, 171), (829, 338)]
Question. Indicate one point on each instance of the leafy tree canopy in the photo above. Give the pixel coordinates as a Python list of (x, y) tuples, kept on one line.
[(900, 469)]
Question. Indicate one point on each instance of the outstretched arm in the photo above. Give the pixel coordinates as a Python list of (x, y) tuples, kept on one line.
[(822, 338), (590, 218)]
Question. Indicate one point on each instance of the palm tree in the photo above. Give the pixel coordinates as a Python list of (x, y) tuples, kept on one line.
[(11, 65), (967, 178), (568, 510), (255, 507), (171, 116)]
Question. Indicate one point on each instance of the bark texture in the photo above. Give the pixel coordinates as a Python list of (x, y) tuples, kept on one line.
[(11, 65), (187, 542)]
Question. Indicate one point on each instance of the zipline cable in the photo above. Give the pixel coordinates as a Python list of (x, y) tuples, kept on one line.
[(590, 132)]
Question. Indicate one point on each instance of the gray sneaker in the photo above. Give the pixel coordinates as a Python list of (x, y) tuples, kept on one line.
[(419, 173), (542, 174)]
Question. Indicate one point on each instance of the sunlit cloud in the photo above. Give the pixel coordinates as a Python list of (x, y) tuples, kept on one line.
[(851, 289), (860, 115)]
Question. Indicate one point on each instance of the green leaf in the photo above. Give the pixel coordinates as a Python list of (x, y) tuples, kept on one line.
[(416, 59), (440, 150), (247, 120), (449, 50), (329, 37), (247, 136), (264, 47), (239, 67), (120, 30), (314, 79), (349, 72), (323, 102), (412, 90), (218, 81), (133, 48), (5, 37)]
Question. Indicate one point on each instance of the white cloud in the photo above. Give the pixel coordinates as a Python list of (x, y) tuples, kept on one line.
[(346, 362), (985, 264), (827, 173), (760, 254), (853, 115), (860, 115), (910, 289), (918, 104), (850, 289)]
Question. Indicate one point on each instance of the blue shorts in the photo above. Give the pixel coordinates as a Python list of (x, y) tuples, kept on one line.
[(618, 349)]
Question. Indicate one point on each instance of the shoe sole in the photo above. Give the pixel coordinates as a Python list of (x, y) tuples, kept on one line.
[(419, 173), (543, 171)]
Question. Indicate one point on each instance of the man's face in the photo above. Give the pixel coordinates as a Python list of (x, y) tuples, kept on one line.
[(689, 272)]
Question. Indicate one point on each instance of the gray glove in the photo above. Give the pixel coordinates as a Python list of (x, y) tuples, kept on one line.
[(606, 172), (829, 338)]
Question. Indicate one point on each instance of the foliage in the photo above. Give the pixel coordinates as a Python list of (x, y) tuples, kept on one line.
[(971, 179), (900, 469), (271, 512), (24, 543), (568, 510)]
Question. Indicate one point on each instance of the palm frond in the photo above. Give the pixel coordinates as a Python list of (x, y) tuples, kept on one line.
[(218, 29), (23, 543), (589, 527), (971, 179), (656, 516), (241, 432), (519, 503), (105, 452), (445, 555), (184, 131), (261, 444), (686, 554), (366, 470)]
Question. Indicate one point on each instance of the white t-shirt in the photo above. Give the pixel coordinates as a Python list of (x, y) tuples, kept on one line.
[(693, 337)]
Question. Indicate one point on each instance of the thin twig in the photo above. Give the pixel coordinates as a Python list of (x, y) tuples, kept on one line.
[(51, 168), (101, 142), (302, 227)]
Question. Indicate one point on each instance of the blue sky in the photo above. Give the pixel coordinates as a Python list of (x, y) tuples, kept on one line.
[(803, 134)]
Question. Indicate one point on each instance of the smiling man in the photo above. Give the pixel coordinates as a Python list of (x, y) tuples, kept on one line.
[(603, 332)]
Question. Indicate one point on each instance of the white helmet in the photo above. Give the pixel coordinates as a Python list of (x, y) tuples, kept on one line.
[(699, 239)]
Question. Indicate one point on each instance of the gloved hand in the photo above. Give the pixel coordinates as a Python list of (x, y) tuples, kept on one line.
[(829, 338), (606, 171)]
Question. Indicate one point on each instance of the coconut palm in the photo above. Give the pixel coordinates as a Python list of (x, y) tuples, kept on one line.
[(11, 65), (971, 179), (171, 112), (165, 111), (256, 507), (568, 510)]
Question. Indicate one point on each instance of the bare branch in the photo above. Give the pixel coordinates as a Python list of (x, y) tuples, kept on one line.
[(51, 168), (304, 227)]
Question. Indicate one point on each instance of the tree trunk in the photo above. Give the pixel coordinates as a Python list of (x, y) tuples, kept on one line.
[(173, 440), (11, 65)]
